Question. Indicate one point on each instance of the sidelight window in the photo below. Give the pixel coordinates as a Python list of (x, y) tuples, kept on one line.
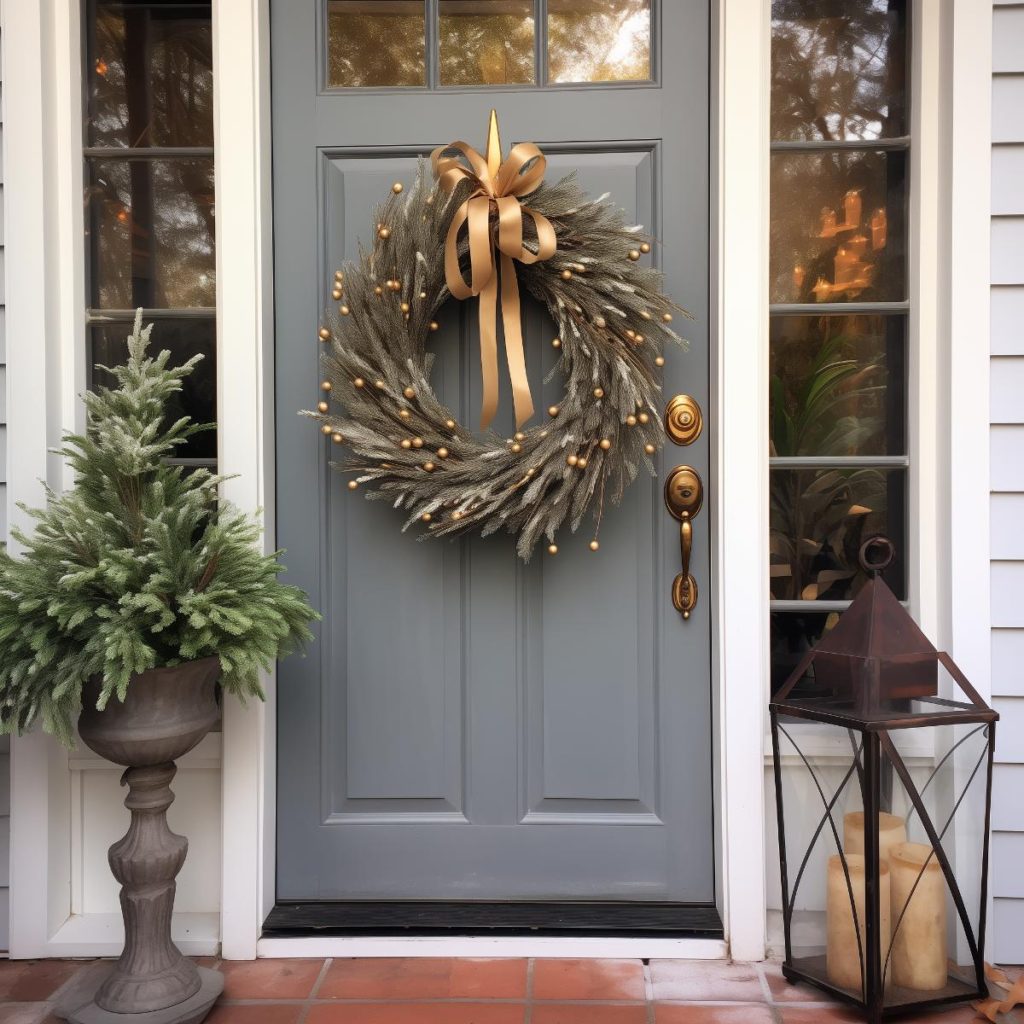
[(466, 43), (838, 288), (149, 209)]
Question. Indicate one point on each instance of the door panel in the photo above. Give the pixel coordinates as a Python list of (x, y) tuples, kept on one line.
[(466, 726)]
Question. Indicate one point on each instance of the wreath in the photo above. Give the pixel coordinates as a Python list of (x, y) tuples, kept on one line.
[(466, 213)]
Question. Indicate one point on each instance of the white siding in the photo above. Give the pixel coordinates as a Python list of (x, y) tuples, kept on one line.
[(1007, 451)]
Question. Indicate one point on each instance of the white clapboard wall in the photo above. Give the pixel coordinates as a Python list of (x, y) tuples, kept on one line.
[(1007, 391)]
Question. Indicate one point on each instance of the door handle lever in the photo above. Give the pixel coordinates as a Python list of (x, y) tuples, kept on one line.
[(684, 495)]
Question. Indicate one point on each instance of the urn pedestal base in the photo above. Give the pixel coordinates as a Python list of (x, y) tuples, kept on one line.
[(80, 1007)]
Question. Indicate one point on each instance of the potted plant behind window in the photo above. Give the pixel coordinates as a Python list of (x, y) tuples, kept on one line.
[(139, 597)]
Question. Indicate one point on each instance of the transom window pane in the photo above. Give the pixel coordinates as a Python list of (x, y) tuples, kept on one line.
[(486, 42), (838, 69), (599, 40), (376, 43)]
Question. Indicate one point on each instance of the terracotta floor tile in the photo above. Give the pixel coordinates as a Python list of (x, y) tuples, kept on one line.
[(269, 979), (23, 1013), (587, 1013), (28, 980), (488, 979), (824, 1015), (750, 1013), (388, 978), (255, 1013), (588, 979), (706, 980), (417, 1013), (785, 992)]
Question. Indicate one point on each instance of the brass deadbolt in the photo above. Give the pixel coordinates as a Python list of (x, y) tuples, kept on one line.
[(684, 421)]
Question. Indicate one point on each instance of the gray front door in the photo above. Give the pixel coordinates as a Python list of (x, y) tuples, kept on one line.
[(467, 727)]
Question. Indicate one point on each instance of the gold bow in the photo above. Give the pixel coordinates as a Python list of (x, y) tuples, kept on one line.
[(497, 187)]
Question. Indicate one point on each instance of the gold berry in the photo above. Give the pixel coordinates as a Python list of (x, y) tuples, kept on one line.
[(397, 187), (631, 420), (659, 360), (582, 464), (379, 385), (326, 429), (405, 307), (605, 444), (571, 460), (428, 466), (556, 342), (450, 424), (667, 317), (339, 276), (336, 294), (417, 442), (599, 321), (566, 275), (634, 254), (645, 246), (324, 334), (337, 438), (406, 443), (434, 325), (423, 295), (404, 413), (378, 290), (516, 447), (599, 392), (643, 417), (359, 382), (353, 484), (630, 334), (442, 453), (645, 314), (552, 549), (519, 436), (325, 385), (594, 545), (650, 449), (409, 392), (426, 517), (321, 406), (639, 339), (457, 514), (384, 233), (344, 310), (552, 410)]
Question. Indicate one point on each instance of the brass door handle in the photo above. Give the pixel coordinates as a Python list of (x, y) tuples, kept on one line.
[(684, 495)]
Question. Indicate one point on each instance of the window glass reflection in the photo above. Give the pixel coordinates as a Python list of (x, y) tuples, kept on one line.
[(486, 42), (150, 79), (837, 227), (376, 43), (838, 69), (818, 520), (837, 385), (151, 233), (599, 40)]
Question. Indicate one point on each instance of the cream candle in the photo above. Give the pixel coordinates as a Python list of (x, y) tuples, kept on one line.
[(892, 829), (843, 952), (919, 946)]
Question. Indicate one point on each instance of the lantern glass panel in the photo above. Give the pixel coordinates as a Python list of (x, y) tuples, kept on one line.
[(928, 788)]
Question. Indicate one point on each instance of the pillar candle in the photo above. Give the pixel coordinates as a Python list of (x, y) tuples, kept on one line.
[(842, 957), (852, 208), (919, 945), (892, 829)]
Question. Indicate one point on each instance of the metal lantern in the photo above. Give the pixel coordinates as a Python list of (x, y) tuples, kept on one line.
[(883, 792)]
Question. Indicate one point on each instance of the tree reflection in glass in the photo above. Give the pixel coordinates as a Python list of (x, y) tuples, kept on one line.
[(376, 43), (486, 42), (599, 40), (838, 69)]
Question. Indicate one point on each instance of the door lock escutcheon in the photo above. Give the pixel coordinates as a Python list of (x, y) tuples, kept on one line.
[(684, 495)]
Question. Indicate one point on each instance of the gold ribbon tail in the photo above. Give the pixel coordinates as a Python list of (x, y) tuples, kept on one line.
[(489, 350), (514, 353)]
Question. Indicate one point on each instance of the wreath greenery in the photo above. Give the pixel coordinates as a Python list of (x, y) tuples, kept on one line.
[(377, 401)]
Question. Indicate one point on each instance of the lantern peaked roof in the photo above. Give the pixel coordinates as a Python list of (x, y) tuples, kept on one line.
[(876, 625)]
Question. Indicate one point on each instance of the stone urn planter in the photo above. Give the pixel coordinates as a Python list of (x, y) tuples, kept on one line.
[(166, 712)]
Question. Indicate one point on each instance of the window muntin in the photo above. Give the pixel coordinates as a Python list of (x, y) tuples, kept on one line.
[(431, 44), (149, 194), (838, 288)]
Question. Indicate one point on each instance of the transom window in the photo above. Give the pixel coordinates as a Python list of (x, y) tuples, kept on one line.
[(466, 43), (838, 290), (149, 209)]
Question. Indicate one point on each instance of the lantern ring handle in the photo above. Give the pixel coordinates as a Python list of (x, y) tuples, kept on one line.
[(876, 554)]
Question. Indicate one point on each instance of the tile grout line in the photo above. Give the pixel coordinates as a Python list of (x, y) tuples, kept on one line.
[(528, 1005), (308, 1002), (649, 990), (766, 989)]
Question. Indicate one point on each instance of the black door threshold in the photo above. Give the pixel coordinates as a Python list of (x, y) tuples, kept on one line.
[(337, 917)]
